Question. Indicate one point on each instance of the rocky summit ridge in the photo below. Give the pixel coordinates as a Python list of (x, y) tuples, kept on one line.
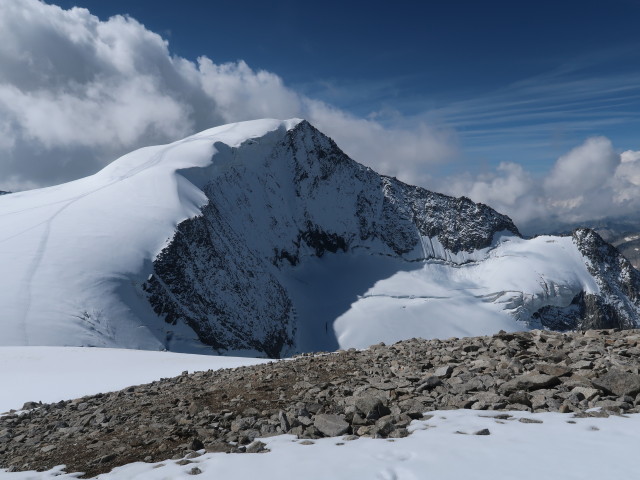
[(237, 255), (375, 392)]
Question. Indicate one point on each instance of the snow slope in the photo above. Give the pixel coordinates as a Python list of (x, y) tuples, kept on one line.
[(262, 238), (51, 374), (75, 255)]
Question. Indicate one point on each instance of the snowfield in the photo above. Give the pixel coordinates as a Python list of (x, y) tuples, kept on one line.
[(51, 374)]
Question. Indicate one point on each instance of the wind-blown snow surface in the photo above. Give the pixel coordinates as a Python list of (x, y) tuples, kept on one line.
[(51, 374), (588, 448), (263, 238)]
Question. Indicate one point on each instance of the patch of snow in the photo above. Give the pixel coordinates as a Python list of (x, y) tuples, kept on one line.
[(51, 374)]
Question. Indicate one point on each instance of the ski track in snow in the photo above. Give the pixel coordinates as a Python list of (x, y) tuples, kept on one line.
[(42, 244)]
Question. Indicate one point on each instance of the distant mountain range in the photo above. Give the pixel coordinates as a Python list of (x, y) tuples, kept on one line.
[(263, 238)]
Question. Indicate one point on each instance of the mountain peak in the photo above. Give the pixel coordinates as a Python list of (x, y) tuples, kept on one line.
[(264, 238)]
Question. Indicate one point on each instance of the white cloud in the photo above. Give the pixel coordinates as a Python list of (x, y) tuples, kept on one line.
[(590, 182), (630, 156), (584, 170), (76, 92), (510, 189)]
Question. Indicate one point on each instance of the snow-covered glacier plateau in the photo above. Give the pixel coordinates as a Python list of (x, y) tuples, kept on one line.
[(263, 238)]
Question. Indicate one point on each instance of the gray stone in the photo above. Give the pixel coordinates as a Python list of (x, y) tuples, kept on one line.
[(582, 364), (399, 433), (107, 458), (521, 397), (443, 372), (529, 381), (367, 404), (587, 393), (384, 426), (30, 405), (196, 444), (284, 421), (429, 383), (331, 425), (529, 420), (618, 382), (553, 370)]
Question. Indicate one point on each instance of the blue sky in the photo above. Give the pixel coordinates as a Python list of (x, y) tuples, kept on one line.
[(530, 107), (516, 81)]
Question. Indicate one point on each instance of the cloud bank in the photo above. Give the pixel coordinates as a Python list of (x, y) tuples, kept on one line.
[(77, 92), (589, 183)]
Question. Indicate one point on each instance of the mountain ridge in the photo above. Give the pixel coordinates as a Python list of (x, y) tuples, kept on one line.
[(264, 238)]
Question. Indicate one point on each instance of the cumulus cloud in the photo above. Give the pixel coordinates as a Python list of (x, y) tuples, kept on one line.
[(589, 183), (509, 189), (630, 156), (76, 92)]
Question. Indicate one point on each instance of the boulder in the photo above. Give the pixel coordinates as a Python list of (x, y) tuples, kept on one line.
[(331, 425), (529, 381), (618, 382)]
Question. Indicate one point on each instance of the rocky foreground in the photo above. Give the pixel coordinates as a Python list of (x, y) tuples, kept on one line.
[(375, 392)]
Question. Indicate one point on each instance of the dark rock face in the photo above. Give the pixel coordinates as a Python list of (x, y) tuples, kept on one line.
[(195, 282), (274, 205), (618, 304)]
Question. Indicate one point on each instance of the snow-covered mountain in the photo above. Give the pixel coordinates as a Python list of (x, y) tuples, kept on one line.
[(263, 238)]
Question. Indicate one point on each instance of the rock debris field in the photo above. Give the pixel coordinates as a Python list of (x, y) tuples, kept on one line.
[(375, 392)]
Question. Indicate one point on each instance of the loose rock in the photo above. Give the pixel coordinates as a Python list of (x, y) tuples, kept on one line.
[(375, 392)]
